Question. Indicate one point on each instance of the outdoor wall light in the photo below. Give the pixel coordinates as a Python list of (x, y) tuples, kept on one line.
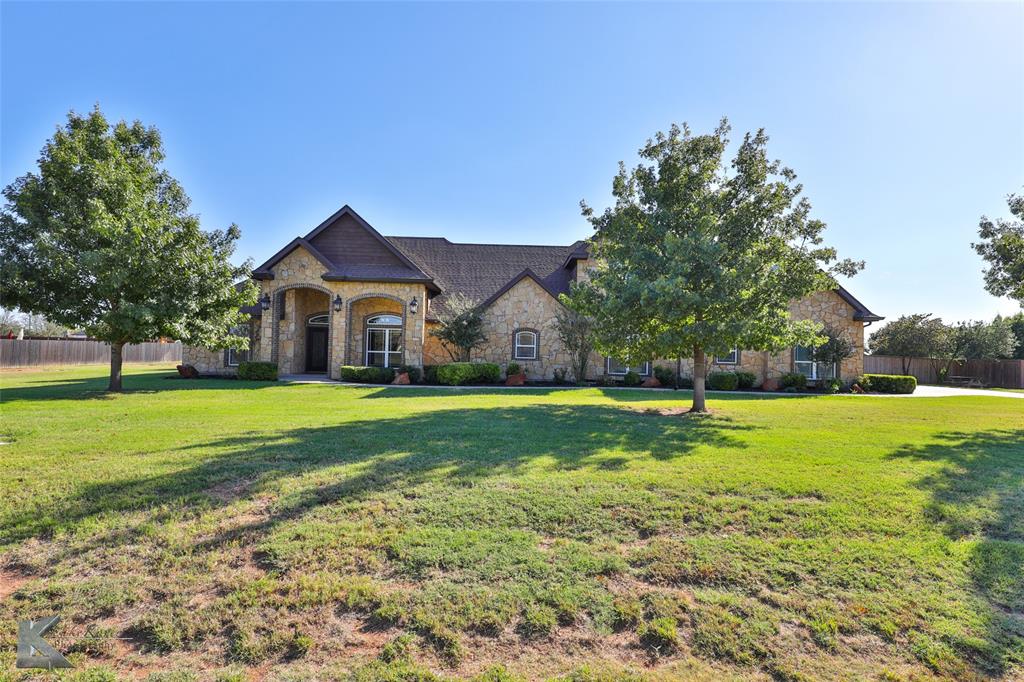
[(265, 302), (413, 306), (337, 303)]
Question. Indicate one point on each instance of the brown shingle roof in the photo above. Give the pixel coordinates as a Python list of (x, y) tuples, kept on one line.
[(478, 271)]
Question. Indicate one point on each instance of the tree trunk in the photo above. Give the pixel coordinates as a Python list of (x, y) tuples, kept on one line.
[(679, 370), (698, 381), (115, 366)]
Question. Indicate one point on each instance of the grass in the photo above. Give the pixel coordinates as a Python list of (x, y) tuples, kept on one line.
[(227, 530)]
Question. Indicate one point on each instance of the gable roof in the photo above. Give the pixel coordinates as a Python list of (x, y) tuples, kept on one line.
[(481, 272), (350, 249), (860, 311)]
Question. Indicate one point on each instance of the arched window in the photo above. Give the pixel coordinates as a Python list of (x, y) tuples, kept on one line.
[(384, 340), (317, 320), (526, 344), (385, 321)]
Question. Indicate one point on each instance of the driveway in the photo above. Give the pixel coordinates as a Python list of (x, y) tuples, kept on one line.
[(947, 391)]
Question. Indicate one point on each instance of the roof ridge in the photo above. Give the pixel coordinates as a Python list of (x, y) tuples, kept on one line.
[(518, 246)]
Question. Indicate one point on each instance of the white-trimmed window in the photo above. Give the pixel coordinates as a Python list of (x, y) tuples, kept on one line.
[(384, 340), (804, 363), (733, 358), (616, 368), (526, 345), (237, 355)]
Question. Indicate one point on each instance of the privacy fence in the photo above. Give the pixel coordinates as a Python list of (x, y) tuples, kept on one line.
[(1001, 373), (34, 352)]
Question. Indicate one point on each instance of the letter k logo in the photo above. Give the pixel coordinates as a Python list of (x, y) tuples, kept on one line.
[(33, 651)]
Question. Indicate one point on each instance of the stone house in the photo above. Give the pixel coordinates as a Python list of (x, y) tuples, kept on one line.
[(346, 295)]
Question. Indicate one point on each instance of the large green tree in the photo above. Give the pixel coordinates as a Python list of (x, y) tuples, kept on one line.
[(700, 255), (101, 238), (1002, 246), (911, 336)]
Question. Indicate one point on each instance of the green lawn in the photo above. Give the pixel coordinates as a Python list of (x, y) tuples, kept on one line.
[(249, 531)]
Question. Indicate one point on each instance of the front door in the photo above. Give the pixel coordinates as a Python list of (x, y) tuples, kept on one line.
[(316, 349)]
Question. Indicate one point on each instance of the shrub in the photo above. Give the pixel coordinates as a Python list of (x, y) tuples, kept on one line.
[(889, 383), (512, 369), (368, 375), (686, 382), (665, 376), (257, 371), (560, 375), (430, 374), (414, 372), (461, 373), (723, 381), (632, 379), (794, 380), (833, 385), (746, 380)]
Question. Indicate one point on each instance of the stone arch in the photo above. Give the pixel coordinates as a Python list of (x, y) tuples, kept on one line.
[(277, 296), (349, 350)]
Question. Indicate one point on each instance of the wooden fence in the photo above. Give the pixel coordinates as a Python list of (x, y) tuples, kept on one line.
[(34, 352), (1001, 373)]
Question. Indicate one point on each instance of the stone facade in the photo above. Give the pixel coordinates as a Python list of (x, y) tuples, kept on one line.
[(298, 291)]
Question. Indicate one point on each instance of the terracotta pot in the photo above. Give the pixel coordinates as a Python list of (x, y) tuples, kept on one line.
[(516, 379), (188, 371), (651, 382), (401, 379), (770, 385)]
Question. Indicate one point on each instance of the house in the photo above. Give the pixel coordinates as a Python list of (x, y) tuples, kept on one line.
[(346, 295)]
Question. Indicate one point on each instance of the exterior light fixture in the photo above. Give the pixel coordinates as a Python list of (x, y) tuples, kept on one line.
[(413, 306), (337, 303), (265, 302)]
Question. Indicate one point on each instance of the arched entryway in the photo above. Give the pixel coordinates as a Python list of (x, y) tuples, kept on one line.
[(302, 319), (376, 330)]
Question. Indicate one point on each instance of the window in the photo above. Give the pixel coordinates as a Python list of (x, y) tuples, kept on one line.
[(526, 345), (384, 340), (613, 366), (733, 358), (804, 363), (237, 355), (317, 320)]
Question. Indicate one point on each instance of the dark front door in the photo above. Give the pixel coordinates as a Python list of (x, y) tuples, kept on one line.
[(316, 349)]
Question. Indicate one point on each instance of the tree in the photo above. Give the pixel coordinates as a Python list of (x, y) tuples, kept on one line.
[(10, 322), (986, 340), (700, 256), (1016, 323), (837, 347), (101, 238), (38, 325), (576, 332), (1002, 246), (910, 336), (460, 327)]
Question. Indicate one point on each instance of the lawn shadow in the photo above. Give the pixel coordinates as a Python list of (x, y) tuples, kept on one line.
[(95, 388), (978, 495), (463, 446)]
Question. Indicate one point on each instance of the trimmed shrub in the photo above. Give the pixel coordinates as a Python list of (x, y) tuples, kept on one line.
[(686, 382), (257, 371), (889, 383), (746, 380), (462, 373), (430, 374), (665, 375), (793, 380), (512, 369), (367, 375), (723, 381), (632, 379)]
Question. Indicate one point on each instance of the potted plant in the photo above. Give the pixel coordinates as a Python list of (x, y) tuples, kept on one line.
[(514, 375)]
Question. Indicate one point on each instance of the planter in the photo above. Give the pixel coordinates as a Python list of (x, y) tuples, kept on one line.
[(516, 379), (651, 382), (770, 385), (188, 372), (401, 379)]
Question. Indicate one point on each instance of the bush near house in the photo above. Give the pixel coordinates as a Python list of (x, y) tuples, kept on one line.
[(631, 378), (746, 380), (257, 371), (723, 381), (794, 380), (666, 376), (461, 373), (430, 374), (367, 375), (415, 373), (889, 383)]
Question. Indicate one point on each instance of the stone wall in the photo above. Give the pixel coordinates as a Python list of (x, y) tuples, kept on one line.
[(360, 310), (206, 361)]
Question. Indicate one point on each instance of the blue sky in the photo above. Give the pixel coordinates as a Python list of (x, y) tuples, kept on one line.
[(489, 122)]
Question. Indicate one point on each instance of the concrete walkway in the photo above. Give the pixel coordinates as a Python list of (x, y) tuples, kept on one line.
[(950, 391)]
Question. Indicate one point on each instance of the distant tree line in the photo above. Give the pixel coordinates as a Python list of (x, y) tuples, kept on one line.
[(924, 336), (14, 321)]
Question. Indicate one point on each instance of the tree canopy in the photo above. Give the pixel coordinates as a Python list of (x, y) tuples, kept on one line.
[(910, 336), (699, 255), (1002, 247), (460, 327), (101, 238)]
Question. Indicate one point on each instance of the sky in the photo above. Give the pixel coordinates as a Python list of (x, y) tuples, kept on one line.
[(489, 122)]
